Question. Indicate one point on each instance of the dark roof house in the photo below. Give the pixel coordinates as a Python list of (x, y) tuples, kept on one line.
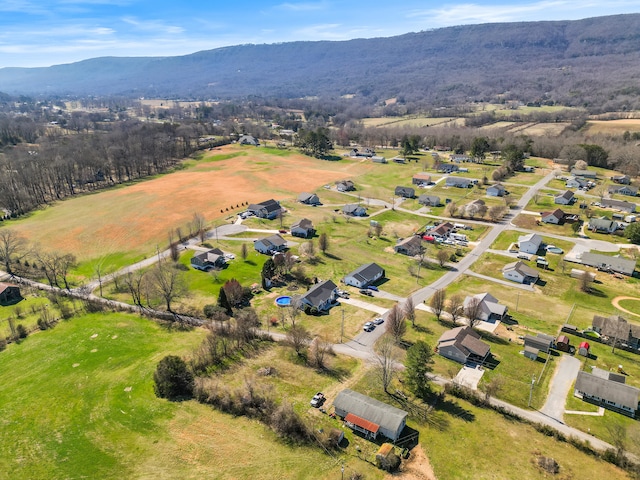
[(9, 294), (320, 296), (303, 228), (429, 200), (270, 245), (309, 198), (354, 210), (616, 329), (463, 345), (490, 309), (364, 275), (410, 246), (556, 217), (213, 258), (268, 209), (345, 186), (405, 192)]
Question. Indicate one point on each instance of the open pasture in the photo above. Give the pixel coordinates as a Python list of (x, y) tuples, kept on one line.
[(136, 218), (613, 127)]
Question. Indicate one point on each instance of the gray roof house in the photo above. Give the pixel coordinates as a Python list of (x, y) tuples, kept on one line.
[(364, 153), (540, 342), (458, 182), (270, 245), (530, 243), (345, 186), (309, 198), (409, 246), (576, 182), (623, 190), (496, 190), (607, 391), (303, 228), (564, 198), (556, 217), (583, 173), (616, 329), (268, 209), (354, 210), (369, 416), (364, 275), (490, 309), (602, 225), (463, 345), (405, 192), (429, 200), (320, 296), (447, 167), (622, 179), (619, 205), (608, 263), (207, 260), (520, 272)]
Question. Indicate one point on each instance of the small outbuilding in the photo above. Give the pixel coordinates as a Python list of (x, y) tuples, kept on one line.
[(563, 343), (9, 294), (583, 349), (531, 353)]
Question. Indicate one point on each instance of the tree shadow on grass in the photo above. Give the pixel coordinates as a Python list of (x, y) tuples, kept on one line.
[(453, 408), (332, 256), (422, 329)]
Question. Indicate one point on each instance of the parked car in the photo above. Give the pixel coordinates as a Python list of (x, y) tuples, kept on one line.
[(366, 292), (229, 256), (282, 231), (373, 287), (342, 293), (369, 327), (317, 400), (378, 321)]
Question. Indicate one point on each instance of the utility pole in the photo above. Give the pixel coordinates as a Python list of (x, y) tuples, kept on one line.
[(342, 471), (533, 382), (342, 326), (517, 300)]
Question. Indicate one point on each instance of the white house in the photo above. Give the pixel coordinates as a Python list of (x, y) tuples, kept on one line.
[(530, 243), (564, 198), (489, 309), (608, 390), (309, 198), (320, 296), (554, 217), (496, 190), (270, 245), (303, 228), (576, 182), (520, 273), (364, 275)]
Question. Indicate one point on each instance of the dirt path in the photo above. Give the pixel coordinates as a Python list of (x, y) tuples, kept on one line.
[(417, 467), (616, 303)]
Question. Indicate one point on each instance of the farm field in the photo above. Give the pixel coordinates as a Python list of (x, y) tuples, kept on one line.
[(614, 127), (124, 225)]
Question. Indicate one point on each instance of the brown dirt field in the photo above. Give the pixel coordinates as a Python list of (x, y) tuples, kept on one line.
[(416, 467), (614, 126), (137, 217), (616, 303)]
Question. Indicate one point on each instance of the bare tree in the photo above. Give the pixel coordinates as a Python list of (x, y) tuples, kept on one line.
[(395, 324), (247, 321), (308, 249), (323, 242), (438, 302), (585, 282), (492, 387), (320, 348), (13, 247), (167, 282), (298, 337), (386, 360), (198, 226), (134, 282), (244, 251), (409, 309), (472, 311), (294, 309), (496, 212), (455, 307), (234, 292), (65, 263)]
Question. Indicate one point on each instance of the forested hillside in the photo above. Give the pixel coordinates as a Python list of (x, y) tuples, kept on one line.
[(592, 62)]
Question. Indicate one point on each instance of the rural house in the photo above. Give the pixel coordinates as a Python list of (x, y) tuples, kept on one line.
[(602, 225), (268, 209), (541, 342), (354, 210), (496, 190), (530, 243), (369, 416), (448, 168), (459, 158), (616, 329), (564, 198), (429, 200), (458, 182), (623, 190), (213, 258), (576, 182), (320, 297), (364, 153), (489, 310), (608, 263), (520, 272), (621, 179), (620, 205), (364, 275), (405, 192), (303, 228), (410, 246), (422, 178), (463, 345), (607, 390), (441, 231), (378, 159), (556, 217), (248, 140), (309, 199), (270, 245), (345, 186), (583, 173), (9, 294)]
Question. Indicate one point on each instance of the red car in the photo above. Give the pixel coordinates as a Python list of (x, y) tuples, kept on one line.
[(282, 231)]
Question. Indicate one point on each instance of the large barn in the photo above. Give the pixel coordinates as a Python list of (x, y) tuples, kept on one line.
[(369, 416)]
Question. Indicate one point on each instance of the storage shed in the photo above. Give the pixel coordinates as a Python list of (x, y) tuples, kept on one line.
[(563, 343), (531, 352), (583, 349)]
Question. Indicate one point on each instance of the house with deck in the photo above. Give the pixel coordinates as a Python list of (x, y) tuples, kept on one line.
[(607, 263), (623, 190), (463, 345), (268, 209), (608, 390), (555, 218), (410, 246), (303, 228), (208, 260), (270, 245), (619, 205)]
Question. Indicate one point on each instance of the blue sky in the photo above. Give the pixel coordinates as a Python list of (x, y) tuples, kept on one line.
[(37, 33)]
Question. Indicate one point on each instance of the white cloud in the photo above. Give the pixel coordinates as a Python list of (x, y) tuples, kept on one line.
[(152, 25), (302, 7)]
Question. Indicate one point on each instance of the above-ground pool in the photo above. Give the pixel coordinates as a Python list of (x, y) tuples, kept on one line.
[(283, 301)]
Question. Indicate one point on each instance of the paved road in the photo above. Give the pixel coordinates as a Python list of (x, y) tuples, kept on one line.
[(564, 376)]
